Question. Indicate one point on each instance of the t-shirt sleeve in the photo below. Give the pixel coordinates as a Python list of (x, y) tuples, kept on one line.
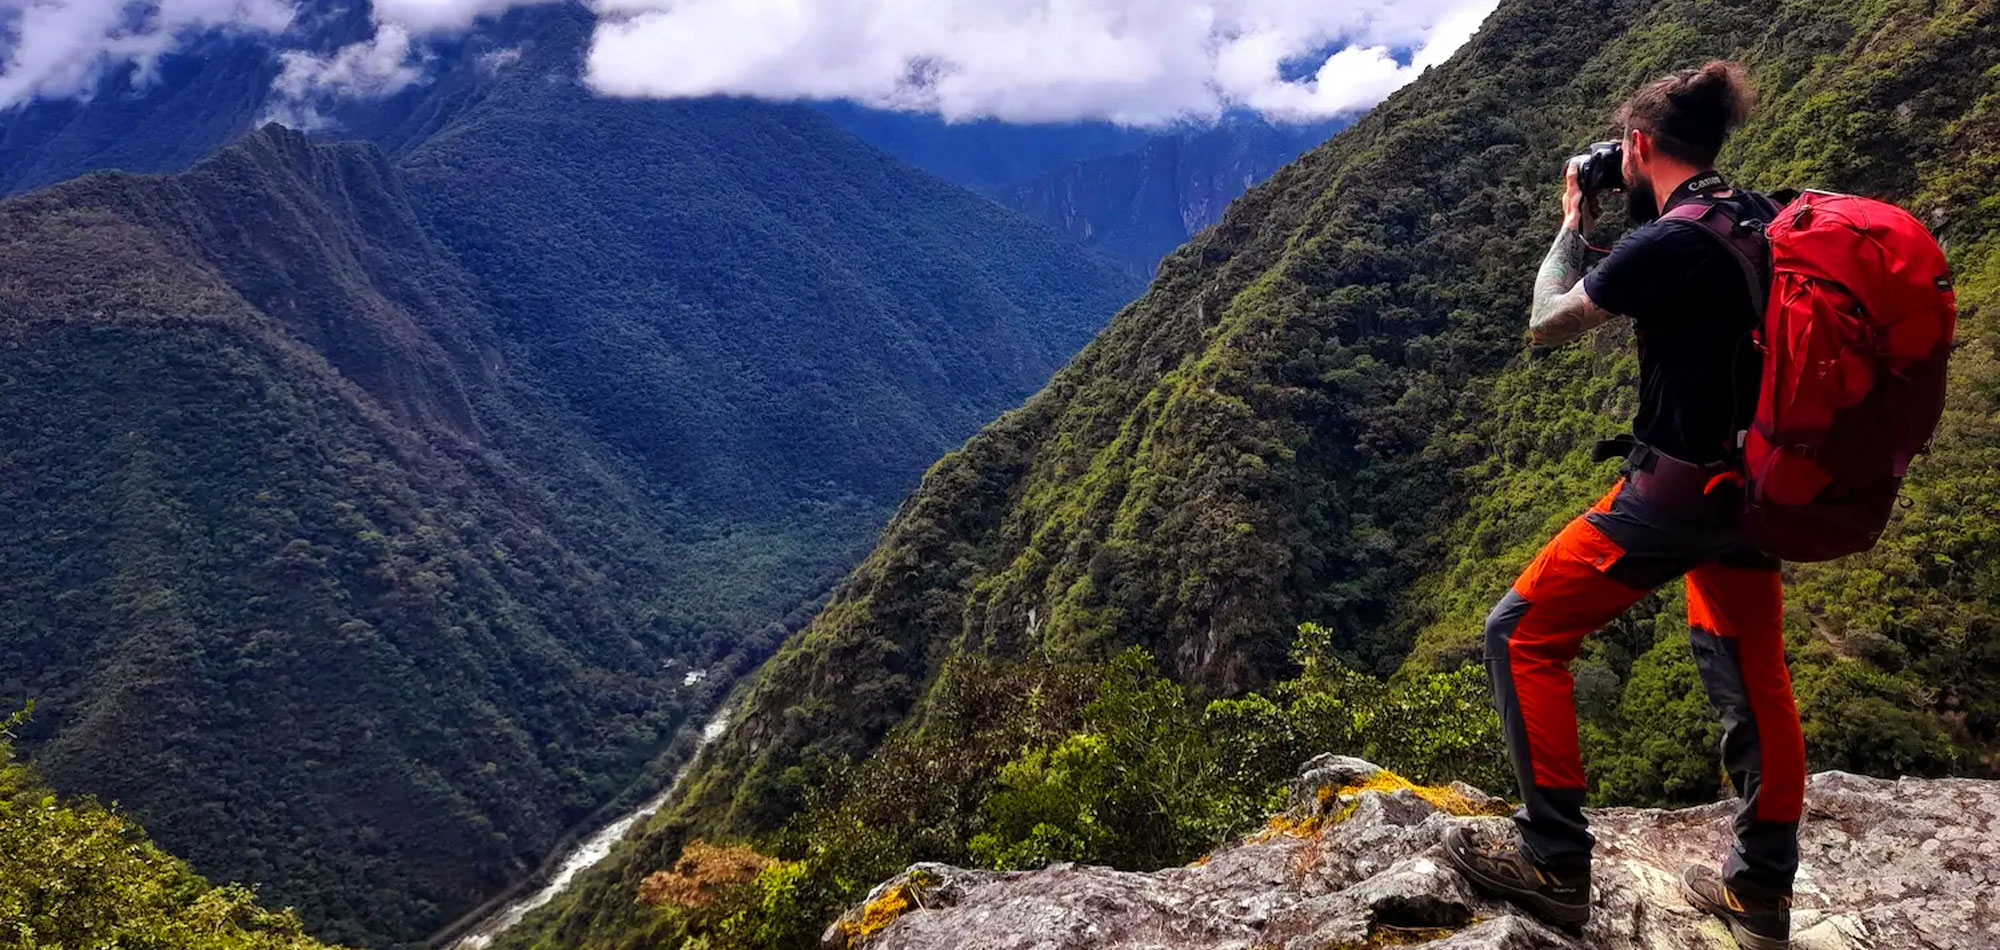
[(1642, 272)]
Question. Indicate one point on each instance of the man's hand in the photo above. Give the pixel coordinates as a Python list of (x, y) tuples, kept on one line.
[(1579, 210), (1562, 310)]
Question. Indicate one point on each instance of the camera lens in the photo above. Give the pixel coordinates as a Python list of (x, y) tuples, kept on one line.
[(1600, 168)]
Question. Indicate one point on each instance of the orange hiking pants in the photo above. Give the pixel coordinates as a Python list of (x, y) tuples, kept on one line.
[(1599, 565)]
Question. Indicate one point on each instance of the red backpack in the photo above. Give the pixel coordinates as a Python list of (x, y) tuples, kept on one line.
[(1858, 326)]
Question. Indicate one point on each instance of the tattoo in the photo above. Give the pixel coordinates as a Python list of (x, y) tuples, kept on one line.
[(1562, 311)]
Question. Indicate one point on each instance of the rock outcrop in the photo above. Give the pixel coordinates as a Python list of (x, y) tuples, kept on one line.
[(1356, 863)]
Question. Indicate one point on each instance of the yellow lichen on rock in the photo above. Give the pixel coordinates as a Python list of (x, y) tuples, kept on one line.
[(1453, 802), (1284, 824), (1442, 797), (880, 912), (1384, 935)]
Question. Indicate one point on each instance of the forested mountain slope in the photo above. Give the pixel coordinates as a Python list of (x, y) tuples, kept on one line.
[(743, 293), (300, 571), (212, 88), (195, 103), (370, 514), (1324, 410)]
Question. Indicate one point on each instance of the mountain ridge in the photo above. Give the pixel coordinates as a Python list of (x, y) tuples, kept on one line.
[(224, 421), (329, 532)]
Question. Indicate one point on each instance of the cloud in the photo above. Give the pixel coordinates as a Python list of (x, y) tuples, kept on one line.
[(380, 66), (1137, 62), (496, 60), (1352, 79), (439, 16), (63, 48)]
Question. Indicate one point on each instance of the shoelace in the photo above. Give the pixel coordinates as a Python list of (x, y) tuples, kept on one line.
[(1495, 849)]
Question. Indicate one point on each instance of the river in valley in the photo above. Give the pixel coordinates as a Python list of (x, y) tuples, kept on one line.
[(587, 852)]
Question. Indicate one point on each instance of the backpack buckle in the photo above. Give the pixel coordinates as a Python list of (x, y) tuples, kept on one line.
[(1617, 447)]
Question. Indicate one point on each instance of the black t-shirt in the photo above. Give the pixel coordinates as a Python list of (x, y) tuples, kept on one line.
[(1691, 304)]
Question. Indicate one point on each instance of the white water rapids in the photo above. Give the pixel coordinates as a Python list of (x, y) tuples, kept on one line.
[(586, 854)]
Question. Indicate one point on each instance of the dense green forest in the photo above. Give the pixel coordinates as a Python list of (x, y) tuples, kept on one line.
[(75, 875), (677, 268), (373, 515), (1324, 411), (339, 633)]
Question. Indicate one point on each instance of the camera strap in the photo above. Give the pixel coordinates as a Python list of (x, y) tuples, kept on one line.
[(1702, 185)]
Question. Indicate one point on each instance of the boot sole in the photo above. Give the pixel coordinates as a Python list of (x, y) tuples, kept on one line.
[(1744, 938), (1568, 916)]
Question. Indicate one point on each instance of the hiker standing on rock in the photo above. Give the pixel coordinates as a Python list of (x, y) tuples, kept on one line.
[(1693, 299)]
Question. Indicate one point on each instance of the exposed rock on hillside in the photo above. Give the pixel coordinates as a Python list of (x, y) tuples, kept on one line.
[(1356, 862)]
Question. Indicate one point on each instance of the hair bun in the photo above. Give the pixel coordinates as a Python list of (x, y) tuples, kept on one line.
[(1724, 87), (1692, 111)]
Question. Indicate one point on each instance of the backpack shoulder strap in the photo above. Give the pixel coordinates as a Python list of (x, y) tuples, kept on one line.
[(1740, 235), (1743, 237)]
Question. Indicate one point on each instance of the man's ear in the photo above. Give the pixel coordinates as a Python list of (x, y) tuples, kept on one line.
[(1640, 145)]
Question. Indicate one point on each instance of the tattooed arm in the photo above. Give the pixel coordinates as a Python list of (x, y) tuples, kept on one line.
[(1562, 311)]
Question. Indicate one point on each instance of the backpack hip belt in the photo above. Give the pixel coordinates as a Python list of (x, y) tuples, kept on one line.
[(1680, 489)]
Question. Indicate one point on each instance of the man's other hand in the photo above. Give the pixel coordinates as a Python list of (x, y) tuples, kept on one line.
[(1579, 210)]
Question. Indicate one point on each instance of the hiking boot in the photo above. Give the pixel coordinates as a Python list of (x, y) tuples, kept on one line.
[(1756, 925), (1497, 866)]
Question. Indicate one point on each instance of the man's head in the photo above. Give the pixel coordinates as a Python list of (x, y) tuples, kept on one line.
[(1675, 126)]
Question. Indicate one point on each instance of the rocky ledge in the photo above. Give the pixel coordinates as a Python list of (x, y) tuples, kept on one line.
[(1356, 862)]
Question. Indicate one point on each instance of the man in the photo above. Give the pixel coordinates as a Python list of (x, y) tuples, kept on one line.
[(1693, 301)]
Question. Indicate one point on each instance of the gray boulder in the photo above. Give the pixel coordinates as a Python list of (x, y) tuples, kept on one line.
[(1886, 865)]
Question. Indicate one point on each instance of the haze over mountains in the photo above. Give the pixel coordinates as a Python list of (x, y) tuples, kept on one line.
[(1131, 194), (1139, 206)]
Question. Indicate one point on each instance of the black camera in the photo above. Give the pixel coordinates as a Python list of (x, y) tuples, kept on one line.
[(1601, 167)]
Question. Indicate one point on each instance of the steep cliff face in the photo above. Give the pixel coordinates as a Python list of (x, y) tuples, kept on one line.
[(1358, 862)]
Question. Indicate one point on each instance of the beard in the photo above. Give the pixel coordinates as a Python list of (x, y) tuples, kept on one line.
[(1641, 202)]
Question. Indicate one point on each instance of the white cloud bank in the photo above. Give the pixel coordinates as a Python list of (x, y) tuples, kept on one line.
[(61, 48), (382, 65), (1137, 62)]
